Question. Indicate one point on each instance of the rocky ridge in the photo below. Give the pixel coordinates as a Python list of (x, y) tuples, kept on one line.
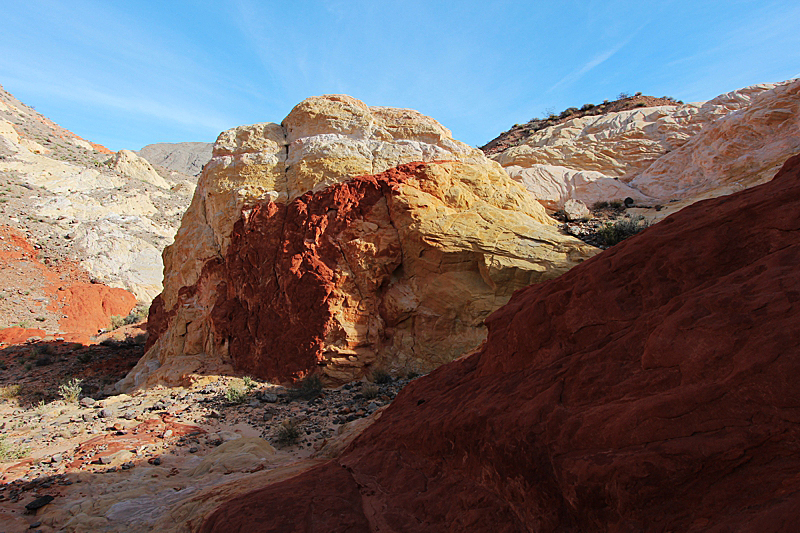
[(649, 388), (186, 157), (609, 157), (286, 265), (76, 201)]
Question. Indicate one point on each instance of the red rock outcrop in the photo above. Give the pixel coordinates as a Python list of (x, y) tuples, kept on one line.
[(652, 388), (346, 277), (346, 238)]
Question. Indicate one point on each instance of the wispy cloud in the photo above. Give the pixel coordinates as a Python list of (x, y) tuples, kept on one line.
[(574, 76), (170, 112)]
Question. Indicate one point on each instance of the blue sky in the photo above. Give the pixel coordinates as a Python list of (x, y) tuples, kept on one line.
[(126, 74)]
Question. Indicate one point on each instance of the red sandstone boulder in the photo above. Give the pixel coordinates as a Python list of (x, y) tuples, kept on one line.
[(652, 388), (345, 239)]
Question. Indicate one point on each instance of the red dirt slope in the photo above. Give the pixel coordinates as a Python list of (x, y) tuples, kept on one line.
[(55, 298), (652, 388)]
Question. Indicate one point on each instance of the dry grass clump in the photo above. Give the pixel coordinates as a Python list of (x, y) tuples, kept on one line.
[(9, 392), (612, 233)]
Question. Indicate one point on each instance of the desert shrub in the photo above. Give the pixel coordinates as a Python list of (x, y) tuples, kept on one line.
[(137, 314), (599, 205), (381, 377), (587, 107), (11, 452), (370, 391), (308, 389), (70, 390), (234, 394), (616, 204), (612, 233), (249, 383), (288, 433), (8, 392), (117, 321)]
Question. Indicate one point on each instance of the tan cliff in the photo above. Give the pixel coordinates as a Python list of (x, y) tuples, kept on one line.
[(288, 263)]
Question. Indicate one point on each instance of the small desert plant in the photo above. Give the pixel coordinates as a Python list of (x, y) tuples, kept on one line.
[(622, 229), (249, 383), (370, 391), (117, 321), (138, 314), (8, 392), (599, 205), (234, 394), (381, 377), (619, 205), (288, 433), (310, 387), (10, 452), (70, 390)]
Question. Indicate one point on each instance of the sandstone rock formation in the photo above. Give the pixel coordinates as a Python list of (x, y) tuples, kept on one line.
[(186, 158), (114, 218), (736, 151), (651, 388), (608, 157), (131, 165), (285, 264)]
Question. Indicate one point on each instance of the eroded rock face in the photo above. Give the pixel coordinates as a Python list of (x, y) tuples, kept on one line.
[(392, 269), (610, 157), (737, 151), (651, 388)]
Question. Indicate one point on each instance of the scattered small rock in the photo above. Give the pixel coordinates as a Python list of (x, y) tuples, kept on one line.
[(38, 503), (87, 402)]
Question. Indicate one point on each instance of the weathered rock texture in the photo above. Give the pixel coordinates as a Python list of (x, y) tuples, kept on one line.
[(651, 388), (665, 153), (284, 263)]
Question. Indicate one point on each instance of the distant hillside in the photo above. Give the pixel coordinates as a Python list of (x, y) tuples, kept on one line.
[(187, 157), (519, 132), (77, 202)]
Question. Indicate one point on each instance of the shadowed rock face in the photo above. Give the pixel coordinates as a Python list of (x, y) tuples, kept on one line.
[(652, 388)]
